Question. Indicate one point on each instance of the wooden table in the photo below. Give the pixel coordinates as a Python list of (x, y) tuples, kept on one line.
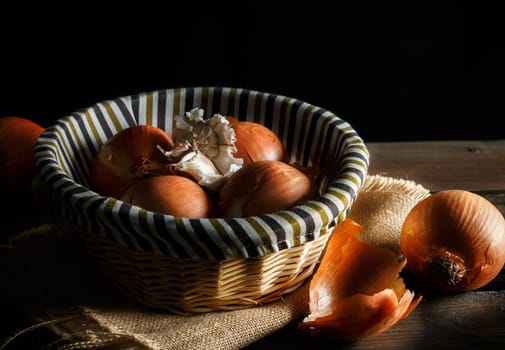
[(473, 320), (477, 166)]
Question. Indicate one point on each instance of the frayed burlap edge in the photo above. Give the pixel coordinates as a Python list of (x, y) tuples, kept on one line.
[(214, 330), (382, 206)]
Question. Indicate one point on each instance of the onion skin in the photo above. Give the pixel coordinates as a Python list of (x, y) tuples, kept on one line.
[(114, 167), (356, 291), (454, 241), (264, 187), (255, 142), (172, 195), (18, 136)]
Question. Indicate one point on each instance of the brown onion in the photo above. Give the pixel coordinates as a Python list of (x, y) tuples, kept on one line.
[(356, 291), (170, 194), (264, 187), (18, 136), (255, 142), (119, 161), (454, 241)]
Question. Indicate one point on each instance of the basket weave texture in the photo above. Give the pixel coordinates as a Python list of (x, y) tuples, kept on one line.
[(198, 265), (190, 286)]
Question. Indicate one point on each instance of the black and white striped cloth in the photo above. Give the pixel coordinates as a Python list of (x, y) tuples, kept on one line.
[(312, 136)]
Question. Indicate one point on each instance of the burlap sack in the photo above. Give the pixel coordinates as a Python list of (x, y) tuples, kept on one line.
[(102, 317)]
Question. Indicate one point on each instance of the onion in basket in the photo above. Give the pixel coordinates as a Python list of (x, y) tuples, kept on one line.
[(119, 162), (264, 187), (203, 149), (255, 142), (170, 194)]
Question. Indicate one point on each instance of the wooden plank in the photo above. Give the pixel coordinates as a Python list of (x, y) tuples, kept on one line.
[(473, 165), (472, 320), (465, 321)]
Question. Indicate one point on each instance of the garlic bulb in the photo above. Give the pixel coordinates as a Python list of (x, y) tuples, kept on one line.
[(203, 148)]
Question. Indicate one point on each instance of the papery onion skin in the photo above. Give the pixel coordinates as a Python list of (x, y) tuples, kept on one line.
[(264, 187), (18, 136), (454, 241), (112, 171), (356, 291), (255, 141), (172, 195), (363, 316)]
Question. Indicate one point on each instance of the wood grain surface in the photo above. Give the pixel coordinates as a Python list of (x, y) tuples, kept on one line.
[(473, 320), (473, 165)]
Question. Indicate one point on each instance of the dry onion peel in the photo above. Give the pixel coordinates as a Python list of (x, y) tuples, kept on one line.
[(357, 291)]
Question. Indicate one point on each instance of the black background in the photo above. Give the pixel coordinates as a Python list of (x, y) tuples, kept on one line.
[(394, 72)]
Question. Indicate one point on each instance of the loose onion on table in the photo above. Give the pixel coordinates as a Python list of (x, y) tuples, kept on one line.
[(356, 291), (120, 161), (454, 241), (264, 187), (170, 194), (18, 136)]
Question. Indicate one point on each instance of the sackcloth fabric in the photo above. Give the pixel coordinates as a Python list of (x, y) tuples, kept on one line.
[(88, 312)]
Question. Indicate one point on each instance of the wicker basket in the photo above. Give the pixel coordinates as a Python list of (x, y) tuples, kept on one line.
[(186, 286), (198, 265)]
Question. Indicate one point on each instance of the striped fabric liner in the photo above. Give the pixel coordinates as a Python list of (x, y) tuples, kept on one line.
[(313, 136)]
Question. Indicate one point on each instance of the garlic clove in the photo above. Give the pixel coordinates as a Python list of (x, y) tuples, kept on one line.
[(199, 167), (357, 291), (224, 160)]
